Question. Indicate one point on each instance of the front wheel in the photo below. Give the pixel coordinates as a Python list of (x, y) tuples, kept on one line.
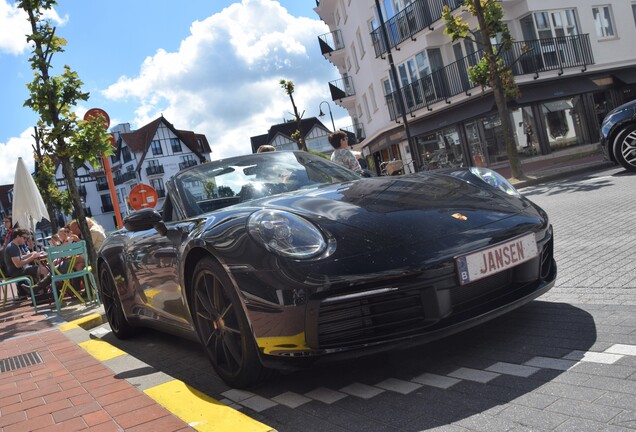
[(112, 306), (222, 327), (625, 148)]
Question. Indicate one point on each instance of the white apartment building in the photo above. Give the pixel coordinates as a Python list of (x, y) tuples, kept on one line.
[(574, 60), (149, 155)]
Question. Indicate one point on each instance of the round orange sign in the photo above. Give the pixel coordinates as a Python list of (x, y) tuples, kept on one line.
[(96, 113), (143, 196)]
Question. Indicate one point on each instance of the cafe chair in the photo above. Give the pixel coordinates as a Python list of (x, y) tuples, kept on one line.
[(6, 283), (70, 253)]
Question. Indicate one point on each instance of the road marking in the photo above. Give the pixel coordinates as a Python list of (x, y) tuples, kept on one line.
[(101, 350), (201, 411)]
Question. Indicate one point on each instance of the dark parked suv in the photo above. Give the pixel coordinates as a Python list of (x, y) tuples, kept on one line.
[(618, 135)]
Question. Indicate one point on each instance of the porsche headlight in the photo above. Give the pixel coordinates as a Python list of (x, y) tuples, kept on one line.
[(286, 234), (495, 180)]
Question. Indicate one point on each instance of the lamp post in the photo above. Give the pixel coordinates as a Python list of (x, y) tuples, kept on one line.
[(321, 114)]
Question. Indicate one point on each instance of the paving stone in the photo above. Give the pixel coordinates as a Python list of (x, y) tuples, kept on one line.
[(593, 357), (579, 425), (550, 363), (512, 369), (622, 349), (435, 380), (399, 386), (291, 399), (258, 403), (361, 390), (586, 410), (325, 395), (572, 392), (237, 395), (473, 375), (533, 418)]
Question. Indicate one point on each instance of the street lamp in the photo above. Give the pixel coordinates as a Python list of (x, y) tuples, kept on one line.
[(321, 114)]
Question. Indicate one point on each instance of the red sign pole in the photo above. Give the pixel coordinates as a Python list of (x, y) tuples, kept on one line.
[(98, 112)]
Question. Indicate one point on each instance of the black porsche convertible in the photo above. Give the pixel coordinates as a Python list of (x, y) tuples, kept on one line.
[(279, 260)]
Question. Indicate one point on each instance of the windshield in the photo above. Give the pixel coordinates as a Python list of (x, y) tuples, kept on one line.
[(218, 184)]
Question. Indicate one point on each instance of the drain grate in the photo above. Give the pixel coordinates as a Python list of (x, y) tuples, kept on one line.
[(20, 361)]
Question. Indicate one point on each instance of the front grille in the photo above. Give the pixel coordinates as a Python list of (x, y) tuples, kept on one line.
[(421, 304)]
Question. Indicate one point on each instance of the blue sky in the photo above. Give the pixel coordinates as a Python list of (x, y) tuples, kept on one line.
[(208, 66)]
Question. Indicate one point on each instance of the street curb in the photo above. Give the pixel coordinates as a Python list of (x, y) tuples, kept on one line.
[(198, 410), (582, 169)]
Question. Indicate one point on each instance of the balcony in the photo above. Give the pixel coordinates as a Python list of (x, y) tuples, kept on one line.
[(525, 57), (330, 42), (107, 208), (122, 178), (161, 193), (341, 88), (416, 17), (102, 186), (187, 164), (358, 130), (154, 170)]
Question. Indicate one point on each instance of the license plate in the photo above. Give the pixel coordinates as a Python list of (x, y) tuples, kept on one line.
[(495, 259)]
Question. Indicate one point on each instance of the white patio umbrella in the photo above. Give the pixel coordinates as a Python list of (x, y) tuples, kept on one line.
[(28, 206)]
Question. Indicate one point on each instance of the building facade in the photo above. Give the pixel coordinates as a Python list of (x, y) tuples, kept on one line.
[(280, 136), (573, 61), (149, 155)]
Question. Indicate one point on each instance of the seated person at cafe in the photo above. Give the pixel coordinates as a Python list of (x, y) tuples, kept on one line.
[(21, 264)]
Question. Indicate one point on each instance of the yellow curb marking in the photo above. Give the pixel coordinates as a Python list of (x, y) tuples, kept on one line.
[(101, 350), (200, 411), (87, 322)]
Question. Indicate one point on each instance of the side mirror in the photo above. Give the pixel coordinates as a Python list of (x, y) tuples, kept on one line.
[(144, 220)]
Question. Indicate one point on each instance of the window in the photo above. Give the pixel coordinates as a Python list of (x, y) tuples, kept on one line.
[(125, 154), (156, 148), (603, 21), (157, 184), (176, 145), (374, 103), (355, 57), (360, 45), (365, 102), (634, 12)]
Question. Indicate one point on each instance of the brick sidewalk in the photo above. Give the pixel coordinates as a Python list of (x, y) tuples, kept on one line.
[(62, 387)]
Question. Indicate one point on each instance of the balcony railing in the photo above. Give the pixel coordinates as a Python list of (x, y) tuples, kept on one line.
[(154, 170), (81, 189), (341, 88), (161, 193), (122, 178), (330, 42), (102, 186), (107, 208), (187, 164), (417, 16), (357, 129), (525, 57)]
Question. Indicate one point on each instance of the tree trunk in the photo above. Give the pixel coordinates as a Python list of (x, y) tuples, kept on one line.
[(500, 96)]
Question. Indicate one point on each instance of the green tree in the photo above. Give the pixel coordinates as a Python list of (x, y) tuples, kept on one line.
[(297, 135), (492, 70), (62, 135), (54, 198)]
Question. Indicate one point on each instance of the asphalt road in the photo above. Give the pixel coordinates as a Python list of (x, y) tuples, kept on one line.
[(565, 362)]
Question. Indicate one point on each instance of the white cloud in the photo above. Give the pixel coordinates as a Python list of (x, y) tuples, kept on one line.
[(15, 27), (11, 151), (223, 80)]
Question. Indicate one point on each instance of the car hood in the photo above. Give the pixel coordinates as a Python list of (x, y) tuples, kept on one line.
[(409, 209)]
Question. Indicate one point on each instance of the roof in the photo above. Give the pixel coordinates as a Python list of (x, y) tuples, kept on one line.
[(139, 141), (286, 129)]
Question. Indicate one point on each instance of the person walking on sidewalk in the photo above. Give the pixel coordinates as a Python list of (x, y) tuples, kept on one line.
[(21, 264)]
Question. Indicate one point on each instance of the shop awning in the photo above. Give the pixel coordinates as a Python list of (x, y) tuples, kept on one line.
[(453, 114), (560, 105), (564, 87)]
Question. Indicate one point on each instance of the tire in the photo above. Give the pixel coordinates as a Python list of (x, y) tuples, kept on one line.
[(112, 306), (625, 148), (222, 326)]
